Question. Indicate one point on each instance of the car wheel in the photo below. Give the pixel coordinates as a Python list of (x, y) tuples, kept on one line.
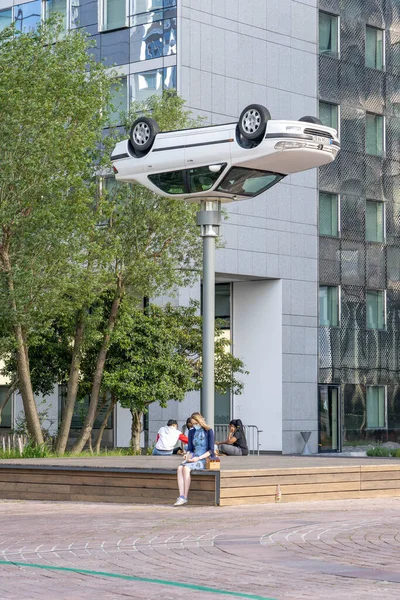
[(314, 120), (143, 132), (253, 121)]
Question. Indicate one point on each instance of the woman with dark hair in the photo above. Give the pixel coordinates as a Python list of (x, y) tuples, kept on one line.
[(236, 444)]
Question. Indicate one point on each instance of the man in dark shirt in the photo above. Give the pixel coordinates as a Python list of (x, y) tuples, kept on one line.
[(236, 444)]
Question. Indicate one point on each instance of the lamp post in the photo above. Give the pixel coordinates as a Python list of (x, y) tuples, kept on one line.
[(209, 219)]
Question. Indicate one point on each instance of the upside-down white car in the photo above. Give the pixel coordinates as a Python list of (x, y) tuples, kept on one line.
[(234, 161)]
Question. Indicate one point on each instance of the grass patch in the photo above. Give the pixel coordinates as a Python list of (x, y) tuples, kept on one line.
[(382, 451), (44, 451)]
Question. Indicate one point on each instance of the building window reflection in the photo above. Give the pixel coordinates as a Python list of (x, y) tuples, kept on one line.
[(148, 83), (119, 100), (376, 309), (374, 48), (375, 221), (328, 34), (374, 134), (328, 214), (27, 16), (328, 306), (376, 407), (153, 35), (6, 412), (113, 14), (329, 114), (5, 18)]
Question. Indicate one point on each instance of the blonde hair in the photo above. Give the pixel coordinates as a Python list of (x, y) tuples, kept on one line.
[(200, 420)]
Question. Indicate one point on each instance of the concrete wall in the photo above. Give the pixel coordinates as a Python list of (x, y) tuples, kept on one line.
[(257, 340), (233, 53)]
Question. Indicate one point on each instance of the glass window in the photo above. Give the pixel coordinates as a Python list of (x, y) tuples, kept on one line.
[(170, 78), (393, 263), (154, 39), (374, 221), (119, 100), (376, 407), (170, 183), (6, 412), (80, 412), (202, 179), (169, 38), (376, 309), (374, 140), (143, 6), (223, 303), (27, 16), (114, 14), (328, 114), (328, 214), (56, 6), (5, 18), (328, 306), (148, 83), (187, 181), (248, 182), (374, 48), (328, 34)]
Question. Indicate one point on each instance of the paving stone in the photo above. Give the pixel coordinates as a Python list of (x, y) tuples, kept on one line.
[(329, 550)]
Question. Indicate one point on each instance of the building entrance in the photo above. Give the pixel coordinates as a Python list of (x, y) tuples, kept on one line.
[(329, 439)]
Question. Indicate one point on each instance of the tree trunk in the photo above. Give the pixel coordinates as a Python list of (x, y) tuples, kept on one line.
[(98, 375), (72, 389), (136, 430), (24, 375), (104, 425)]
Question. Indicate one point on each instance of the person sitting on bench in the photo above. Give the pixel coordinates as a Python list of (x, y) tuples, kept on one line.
[(236, 444), (167, 438)]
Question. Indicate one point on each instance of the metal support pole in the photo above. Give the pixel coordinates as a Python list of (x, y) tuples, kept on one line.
[(209, 219)]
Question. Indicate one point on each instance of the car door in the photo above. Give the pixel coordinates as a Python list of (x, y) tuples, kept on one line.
[(208, 145)]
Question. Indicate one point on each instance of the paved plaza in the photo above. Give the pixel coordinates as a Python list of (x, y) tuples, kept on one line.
[(329, 550)]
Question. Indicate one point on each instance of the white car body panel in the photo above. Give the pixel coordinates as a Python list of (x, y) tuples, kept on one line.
[(299, 148)]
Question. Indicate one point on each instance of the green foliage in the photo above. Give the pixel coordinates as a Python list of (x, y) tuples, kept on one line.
[(53, 106), (383, 451), (43, 451), (155, 356), (31, 450)]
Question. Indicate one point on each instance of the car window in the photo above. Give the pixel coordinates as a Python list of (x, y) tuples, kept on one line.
[(170, 183), (248, 182), (202, 179), (189, 181)]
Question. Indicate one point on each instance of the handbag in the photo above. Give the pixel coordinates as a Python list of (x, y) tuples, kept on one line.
[(213, 463)]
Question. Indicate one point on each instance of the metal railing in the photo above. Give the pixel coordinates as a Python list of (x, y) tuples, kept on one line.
[(251, 432)]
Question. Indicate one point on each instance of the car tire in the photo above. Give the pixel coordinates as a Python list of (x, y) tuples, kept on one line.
[(143, 133), (253, 121), (314, 120)]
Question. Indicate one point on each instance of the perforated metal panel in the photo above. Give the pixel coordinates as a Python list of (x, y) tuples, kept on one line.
[(352, 354)]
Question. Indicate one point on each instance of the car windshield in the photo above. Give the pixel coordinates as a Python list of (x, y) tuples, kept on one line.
[(189, 181), (248, 182)]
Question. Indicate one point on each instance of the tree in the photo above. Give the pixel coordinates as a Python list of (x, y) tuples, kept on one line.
[(155, 356), (154, 240), (53, 107)]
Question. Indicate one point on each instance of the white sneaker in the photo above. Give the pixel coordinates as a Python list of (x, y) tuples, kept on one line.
[(180, 501)]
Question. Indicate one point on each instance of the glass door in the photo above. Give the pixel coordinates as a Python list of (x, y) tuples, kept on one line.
[(329, 418)]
